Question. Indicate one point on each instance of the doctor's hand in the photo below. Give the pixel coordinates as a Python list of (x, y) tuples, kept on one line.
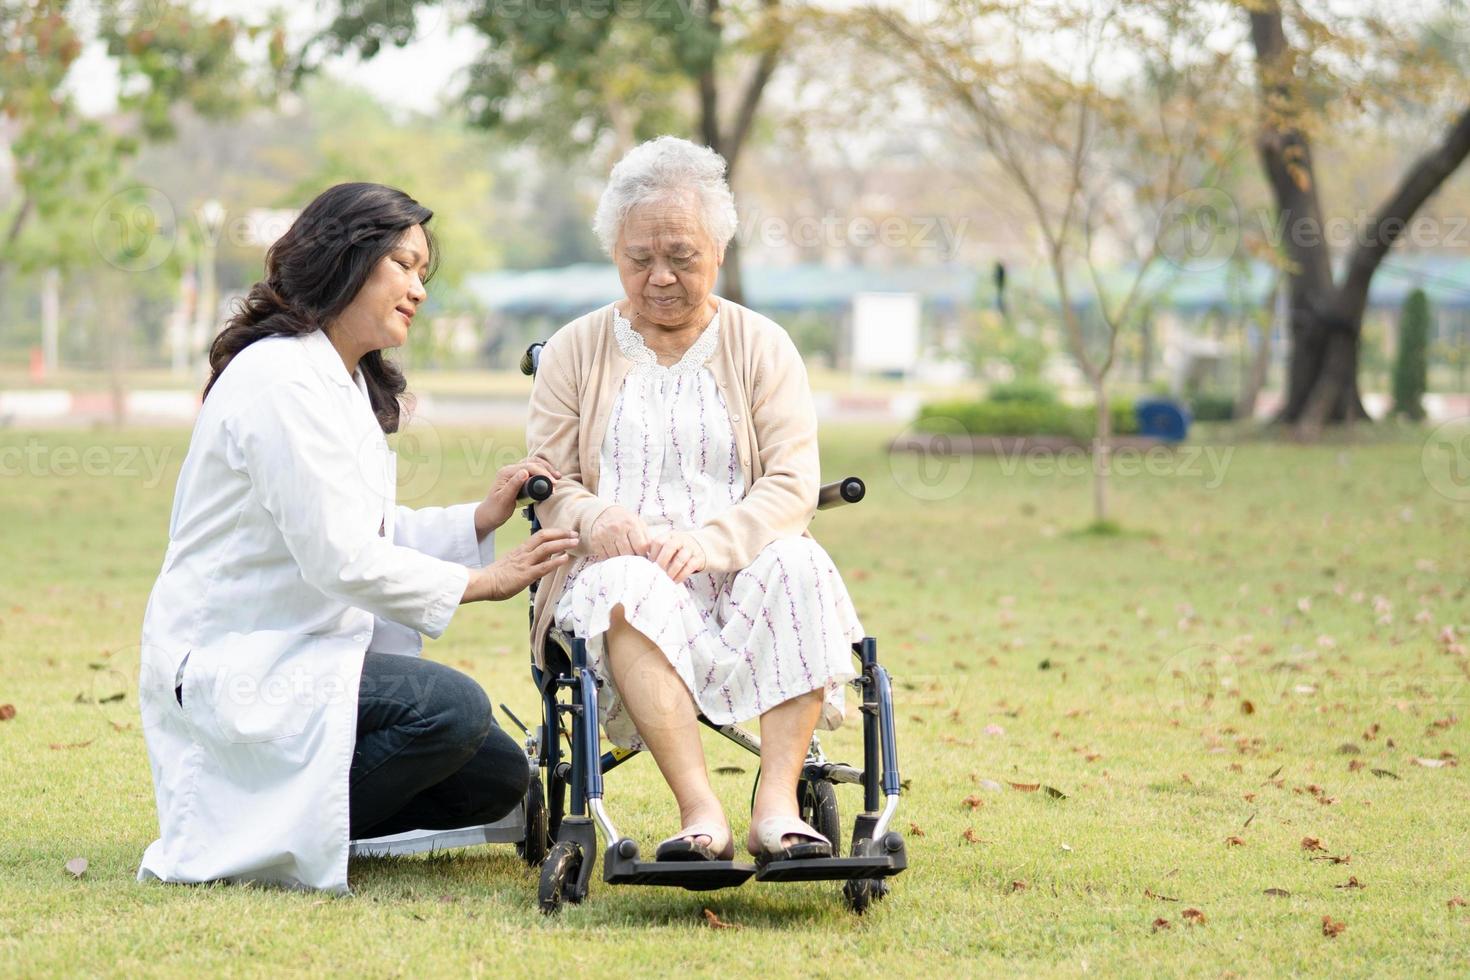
[(540, 554), (618, 531), (500, 502)]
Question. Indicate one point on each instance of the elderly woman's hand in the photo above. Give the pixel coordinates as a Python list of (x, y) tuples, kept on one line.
[(500, 502), (678, 554), (618, 531)]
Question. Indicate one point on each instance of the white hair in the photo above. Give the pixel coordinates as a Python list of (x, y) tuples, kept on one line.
[(662, 168)]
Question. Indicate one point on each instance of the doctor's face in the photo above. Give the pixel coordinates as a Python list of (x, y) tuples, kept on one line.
[(382, 312)]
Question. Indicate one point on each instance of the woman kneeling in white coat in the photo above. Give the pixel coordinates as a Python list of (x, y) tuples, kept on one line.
[(281, 717)]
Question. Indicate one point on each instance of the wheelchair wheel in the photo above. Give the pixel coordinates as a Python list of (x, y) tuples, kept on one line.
[(533, 848), (559, 877), (818, 801), (861, 893)]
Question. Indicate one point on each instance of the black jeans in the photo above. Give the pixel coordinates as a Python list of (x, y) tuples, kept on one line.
[(429, 754)]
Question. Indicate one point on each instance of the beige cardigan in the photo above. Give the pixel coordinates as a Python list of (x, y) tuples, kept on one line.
[(764, 384)]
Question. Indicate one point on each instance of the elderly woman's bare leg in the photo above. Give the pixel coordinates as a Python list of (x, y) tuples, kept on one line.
[(786, 734), (663, 711)]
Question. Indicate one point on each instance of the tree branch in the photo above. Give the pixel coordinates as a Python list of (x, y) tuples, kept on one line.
[(1423, 179)]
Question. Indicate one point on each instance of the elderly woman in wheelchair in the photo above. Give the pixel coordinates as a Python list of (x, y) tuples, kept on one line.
[(685, 433)]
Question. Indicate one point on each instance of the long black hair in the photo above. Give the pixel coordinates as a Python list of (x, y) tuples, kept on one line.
[(313, 272)]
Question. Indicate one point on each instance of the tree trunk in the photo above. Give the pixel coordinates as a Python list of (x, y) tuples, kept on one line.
[(1102, 447), (1327, 317), (731, 285)]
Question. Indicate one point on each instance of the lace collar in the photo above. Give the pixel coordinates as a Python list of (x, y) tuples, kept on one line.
[(645, 361)]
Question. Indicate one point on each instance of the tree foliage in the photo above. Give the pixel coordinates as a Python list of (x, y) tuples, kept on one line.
[(1411, 369)]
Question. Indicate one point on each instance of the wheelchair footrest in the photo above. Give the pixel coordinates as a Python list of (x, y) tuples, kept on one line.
[(830, 869), (695, 876)]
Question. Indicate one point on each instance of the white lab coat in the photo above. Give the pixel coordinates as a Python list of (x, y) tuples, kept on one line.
[(287, 559)]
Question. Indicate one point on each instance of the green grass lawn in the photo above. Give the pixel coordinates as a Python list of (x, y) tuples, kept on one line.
[(1268, 633)]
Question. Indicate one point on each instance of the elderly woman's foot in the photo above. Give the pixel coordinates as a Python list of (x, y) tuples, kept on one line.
[(785, 838), (702, 840)]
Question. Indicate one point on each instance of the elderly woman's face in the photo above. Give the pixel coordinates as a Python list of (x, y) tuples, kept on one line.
[(667, 262)]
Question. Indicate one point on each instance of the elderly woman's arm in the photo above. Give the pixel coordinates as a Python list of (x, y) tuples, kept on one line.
[(553, 430), (782, 502)]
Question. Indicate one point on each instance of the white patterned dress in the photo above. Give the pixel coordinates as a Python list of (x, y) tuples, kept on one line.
[(743, 642)]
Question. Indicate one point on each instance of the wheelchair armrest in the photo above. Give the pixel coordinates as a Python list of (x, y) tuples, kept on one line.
[(848, 490)]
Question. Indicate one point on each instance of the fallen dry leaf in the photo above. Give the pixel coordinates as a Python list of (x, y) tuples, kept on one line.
[(715, 922), (1331, 927), (1150, 893), (1352, 882), (1355, 764), (1193, 916), (1234, 842), (1384, 773), (7, 712), (1246, 708), (1018, 886), (77, 867), (1161, 923), (1278, 892), (1456, 903), (1335, 859), (973, 802), (1025, 787), (1312, 844), (915, 830), (57, 746), (969, 835)]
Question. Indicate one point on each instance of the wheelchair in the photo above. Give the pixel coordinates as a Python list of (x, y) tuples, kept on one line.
[(554, 827), (561, 829)]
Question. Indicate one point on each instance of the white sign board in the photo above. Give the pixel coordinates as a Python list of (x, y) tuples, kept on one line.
[(885, 332)]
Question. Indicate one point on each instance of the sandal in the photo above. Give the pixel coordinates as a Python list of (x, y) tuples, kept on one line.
[(768, 847), (684, 846)]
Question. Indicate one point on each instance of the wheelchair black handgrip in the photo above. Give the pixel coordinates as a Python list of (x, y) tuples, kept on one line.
[(536, 489), (531, 359), (848, 490)]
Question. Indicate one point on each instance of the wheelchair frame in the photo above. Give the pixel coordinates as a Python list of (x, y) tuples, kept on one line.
[(875, 854)]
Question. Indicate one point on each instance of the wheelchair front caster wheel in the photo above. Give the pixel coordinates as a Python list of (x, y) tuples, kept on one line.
[(559, 874), (532, 849), (861, 893)]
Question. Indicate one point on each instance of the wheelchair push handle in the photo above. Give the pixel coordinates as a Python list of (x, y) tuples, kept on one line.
[(848, 490), (535, 490), (531, 360)]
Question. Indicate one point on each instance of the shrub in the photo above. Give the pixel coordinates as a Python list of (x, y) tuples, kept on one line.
[(1412, 367), (1027, 390), (1023, 418), (1212, 406)]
